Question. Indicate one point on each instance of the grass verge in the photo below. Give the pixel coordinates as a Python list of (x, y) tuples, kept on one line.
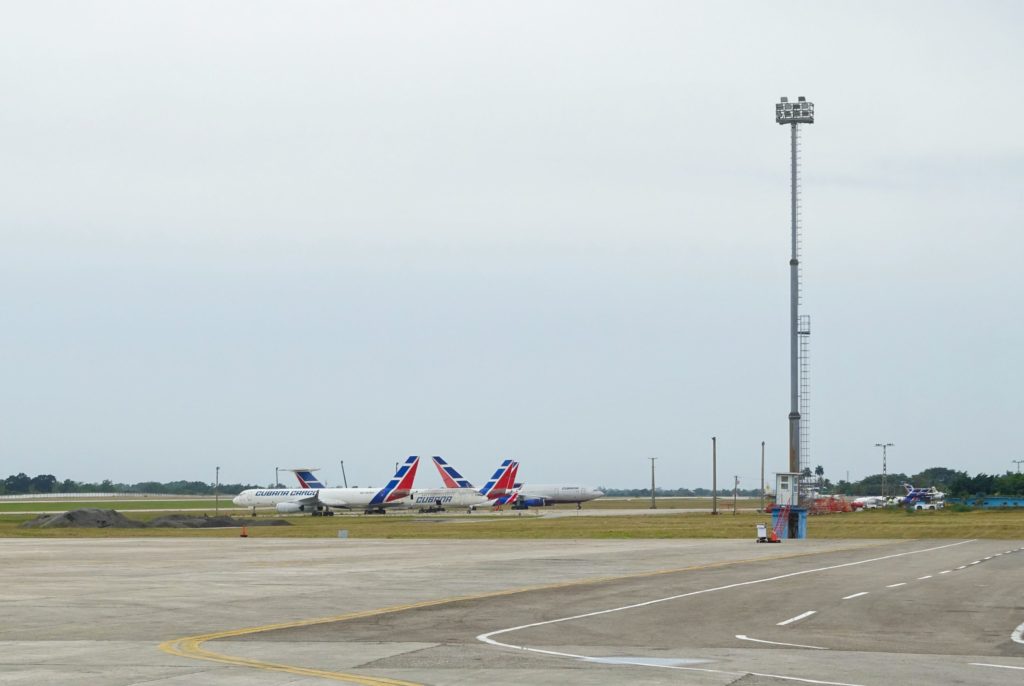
[(994, 524)]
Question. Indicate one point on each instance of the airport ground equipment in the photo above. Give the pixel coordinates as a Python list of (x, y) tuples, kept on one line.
[(830, 504), (789, 522), (922, 495), (764, 535)]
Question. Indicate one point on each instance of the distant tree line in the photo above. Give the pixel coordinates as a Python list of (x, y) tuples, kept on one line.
[(21, 484), (676, 492), (954, 483)]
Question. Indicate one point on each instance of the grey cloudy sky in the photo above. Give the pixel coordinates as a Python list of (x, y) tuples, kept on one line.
[(259, 234)]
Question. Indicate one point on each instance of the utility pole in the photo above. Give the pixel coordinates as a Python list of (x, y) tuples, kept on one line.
[(343, 477), (883, 446), (654, 506), (277, 479), (216, 493), (762, 476), (1018, 464), (735, 488), (714, 475)]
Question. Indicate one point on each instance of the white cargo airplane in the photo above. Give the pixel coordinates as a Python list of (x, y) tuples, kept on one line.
[(318, 500)]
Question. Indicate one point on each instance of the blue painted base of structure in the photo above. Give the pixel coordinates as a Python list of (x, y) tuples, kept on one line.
[(796, 527), (989, 501)]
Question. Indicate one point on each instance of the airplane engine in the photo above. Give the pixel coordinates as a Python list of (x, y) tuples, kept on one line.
[(522, 503), (290, 508), (316, 510)]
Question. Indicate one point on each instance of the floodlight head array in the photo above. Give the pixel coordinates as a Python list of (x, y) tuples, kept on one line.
[(799, 112)]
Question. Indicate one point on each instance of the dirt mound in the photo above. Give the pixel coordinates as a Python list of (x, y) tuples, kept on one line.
[(91, 518), (88, 518), (183, 521)]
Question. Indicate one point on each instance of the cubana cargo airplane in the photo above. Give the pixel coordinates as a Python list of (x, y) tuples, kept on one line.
[(318, 500)]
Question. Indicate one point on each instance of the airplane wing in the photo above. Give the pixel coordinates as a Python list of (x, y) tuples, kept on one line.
[(331, 501)]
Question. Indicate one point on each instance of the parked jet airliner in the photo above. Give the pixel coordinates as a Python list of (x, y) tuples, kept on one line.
[(319, 500), (458, 492), (523, 496), (499, 485), (540, 495)]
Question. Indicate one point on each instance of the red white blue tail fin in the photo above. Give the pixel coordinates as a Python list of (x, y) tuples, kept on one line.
[(451, 478), (513, 488), (306, 477), (501, 481), (400, 484)]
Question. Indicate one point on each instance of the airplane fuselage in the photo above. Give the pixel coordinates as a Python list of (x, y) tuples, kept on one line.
[(446, 497), (344, 498), (553, 494)]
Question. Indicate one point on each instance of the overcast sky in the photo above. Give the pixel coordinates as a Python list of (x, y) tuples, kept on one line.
[(258, 234)]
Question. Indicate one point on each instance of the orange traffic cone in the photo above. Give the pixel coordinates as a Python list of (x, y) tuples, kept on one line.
[(244, 534)]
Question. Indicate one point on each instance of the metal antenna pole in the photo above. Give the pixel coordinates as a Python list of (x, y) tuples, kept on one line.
[(653, 505), (1018, 464), (883, 446), (735, 488), (794, 300), (343, 477), (216, 493), (277, 479), (762, 476), (714, 476)]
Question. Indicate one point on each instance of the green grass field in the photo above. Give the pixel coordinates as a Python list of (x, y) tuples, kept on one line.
[(995, 524)]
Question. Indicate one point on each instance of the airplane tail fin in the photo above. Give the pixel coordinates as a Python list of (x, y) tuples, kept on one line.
[(510, 494), (451, 478), (400, 484), (306, 477), (513, 488), (501, 481)]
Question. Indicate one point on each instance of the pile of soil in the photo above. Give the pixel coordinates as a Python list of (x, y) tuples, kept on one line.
[(88, 518), (184, 521), (91, 518)]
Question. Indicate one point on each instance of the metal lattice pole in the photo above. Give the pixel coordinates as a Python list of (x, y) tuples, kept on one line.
[(794, 114)]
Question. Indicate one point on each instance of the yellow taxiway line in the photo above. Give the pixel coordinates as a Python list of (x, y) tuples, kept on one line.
[(192, 646)]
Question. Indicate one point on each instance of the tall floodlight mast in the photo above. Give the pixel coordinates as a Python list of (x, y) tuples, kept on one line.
[(794, 114)]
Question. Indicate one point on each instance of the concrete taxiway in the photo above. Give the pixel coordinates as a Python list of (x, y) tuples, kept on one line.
[(286, 611)]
